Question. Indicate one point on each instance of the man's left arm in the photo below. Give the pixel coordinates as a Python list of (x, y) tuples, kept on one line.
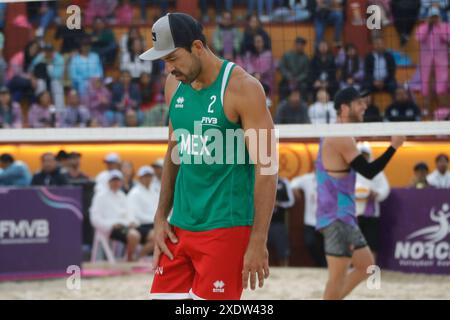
[(250, 104)]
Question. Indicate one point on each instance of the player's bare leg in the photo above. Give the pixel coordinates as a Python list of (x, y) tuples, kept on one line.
[(149, 245), (361, 260), (337, 272), (133, 238)]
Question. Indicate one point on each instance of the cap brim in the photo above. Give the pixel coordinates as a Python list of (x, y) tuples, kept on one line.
[(153, 54), (145, 174), (364, 93)]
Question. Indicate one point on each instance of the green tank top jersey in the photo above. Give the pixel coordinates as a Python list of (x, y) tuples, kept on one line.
[(215, 182)]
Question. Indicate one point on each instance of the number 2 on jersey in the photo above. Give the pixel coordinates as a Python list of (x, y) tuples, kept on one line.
[(213, 100)]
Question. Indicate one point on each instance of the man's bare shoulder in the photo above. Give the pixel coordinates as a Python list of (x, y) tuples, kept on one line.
[(245, 90), (241, 81), (338, 143)]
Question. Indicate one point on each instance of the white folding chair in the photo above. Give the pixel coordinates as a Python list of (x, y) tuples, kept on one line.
[(101, 240)]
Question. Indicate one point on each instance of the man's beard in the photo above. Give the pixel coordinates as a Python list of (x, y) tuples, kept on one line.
[(192, 75), (354, 117)]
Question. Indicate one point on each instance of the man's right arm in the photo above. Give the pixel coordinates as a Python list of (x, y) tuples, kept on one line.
[(356, 160), (170, 169), (169, 174)]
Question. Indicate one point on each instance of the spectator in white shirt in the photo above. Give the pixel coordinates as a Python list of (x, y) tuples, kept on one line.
[(112, 162), (109, 214), (130, 60), (322, 111), (369, 194), (440, 177), (142, 204), (313, 239)]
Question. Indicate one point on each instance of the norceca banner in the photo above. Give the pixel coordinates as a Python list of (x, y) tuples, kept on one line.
[(415, 231)]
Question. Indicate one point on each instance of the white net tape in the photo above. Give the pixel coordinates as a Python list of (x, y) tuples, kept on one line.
[(380, 129)]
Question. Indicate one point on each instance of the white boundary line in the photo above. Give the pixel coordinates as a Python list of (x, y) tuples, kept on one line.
[(158, 134)]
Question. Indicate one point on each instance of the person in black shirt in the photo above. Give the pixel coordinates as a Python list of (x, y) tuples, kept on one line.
[(50, 174), (322, 70), (253, 28), (403, 108), (278, 235), (74, 175), (372, 113), (71, 38)]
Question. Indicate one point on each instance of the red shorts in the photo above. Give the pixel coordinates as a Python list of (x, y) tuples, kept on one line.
[(206, 265)]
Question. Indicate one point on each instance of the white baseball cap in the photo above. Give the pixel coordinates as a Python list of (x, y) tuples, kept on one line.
[(158, 163), (144, 170), (173, 31), (112, 158), (115, 174), (364, 147)]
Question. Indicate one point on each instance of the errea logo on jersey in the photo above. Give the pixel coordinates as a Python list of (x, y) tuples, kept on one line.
[(218, 286), (180, 103)]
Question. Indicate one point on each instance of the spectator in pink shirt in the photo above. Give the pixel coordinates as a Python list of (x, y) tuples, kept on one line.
[(259, 63), (43, 113), (124, 13), (97, 100), (99, 8), (434, 36)]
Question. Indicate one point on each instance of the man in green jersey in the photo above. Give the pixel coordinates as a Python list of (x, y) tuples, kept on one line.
[(219, 175)]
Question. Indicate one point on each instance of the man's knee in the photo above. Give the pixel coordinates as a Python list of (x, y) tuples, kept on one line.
[(364, 265), (133, 236)]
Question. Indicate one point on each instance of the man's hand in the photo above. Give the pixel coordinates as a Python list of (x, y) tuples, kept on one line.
[(256, 264), (162, 231), (397, 141)]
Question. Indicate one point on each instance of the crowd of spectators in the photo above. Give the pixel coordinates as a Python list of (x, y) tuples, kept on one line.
[(45, 86)]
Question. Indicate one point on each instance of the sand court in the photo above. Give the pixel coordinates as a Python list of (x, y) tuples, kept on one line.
[(284, 283)]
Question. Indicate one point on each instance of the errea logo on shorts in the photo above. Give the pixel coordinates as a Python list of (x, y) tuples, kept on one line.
[(180, 103), (218, 286), (159, 271)]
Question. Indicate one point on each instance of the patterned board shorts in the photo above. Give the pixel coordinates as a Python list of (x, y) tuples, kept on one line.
[(342, 239)]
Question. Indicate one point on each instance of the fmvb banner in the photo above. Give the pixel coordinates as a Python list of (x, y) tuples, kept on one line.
[(40, 230), (415, 231)]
